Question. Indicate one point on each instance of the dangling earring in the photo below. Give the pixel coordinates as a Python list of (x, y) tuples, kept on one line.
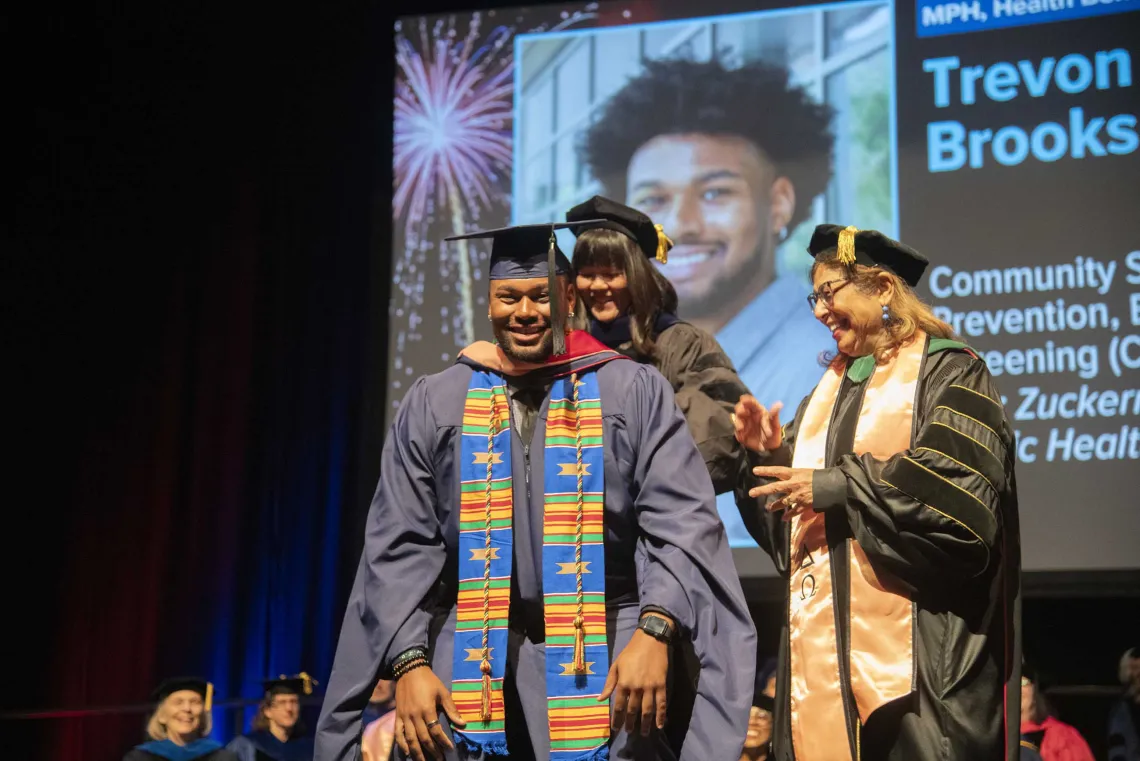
[(886, 314)]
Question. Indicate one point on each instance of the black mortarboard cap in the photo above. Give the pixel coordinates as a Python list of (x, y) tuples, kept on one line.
[(523, 252), (765, 670), (871, 248), (301, 684), (170, 686), (601, 212)]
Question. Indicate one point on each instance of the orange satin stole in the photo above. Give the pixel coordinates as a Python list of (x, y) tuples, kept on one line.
[(881, 645)]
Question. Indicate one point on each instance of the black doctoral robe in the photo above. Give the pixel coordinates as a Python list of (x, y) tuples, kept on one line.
[(959, 563), (704, 383)]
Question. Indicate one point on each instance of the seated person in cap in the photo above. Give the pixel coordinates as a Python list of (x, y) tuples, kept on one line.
[(276, 733), (542, 510), (1124, 718), (1054, 739), (889, 504), (758, 741), (178, 728)]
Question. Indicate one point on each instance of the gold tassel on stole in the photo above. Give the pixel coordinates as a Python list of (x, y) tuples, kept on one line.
[(579, 664), (485, 708)]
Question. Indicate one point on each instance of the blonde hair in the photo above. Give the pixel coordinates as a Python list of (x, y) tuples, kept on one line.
[(156, 727), (908, 313)]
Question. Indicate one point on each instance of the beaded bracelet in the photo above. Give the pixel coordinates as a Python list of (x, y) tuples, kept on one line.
[(408, 666), (410, 654)]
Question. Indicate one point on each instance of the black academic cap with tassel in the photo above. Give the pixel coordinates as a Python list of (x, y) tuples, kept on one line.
[(601, 212), (870, 248), (524, 252), (301, 684), (191, 683)]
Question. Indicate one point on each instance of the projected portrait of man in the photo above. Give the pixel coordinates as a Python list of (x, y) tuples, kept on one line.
[(728, 161)]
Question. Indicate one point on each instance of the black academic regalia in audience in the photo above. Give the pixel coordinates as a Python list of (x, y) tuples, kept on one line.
[(164, 749)]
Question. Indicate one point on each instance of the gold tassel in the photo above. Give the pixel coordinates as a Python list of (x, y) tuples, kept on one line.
[(579, 664), (307, 682), (208, 701), (557, 308), (845, 249), (485, 708), (663, 244)]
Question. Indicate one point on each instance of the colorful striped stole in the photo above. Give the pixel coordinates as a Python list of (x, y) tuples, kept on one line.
[(574, 572), (485, 558), (573, 569)]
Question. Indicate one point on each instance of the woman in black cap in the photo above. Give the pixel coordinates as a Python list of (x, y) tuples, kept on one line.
[(178, 728), (889, 504), (758, 740), (632, 309)]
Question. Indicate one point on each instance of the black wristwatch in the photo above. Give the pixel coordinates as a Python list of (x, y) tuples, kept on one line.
[(657, 627)]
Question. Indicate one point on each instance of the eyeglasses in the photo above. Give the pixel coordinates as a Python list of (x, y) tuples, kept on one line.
[(825, 293)]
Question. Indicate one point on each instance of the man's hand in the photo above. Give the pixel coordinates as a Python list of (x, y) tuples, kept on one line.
[(758, 428), (637, 683), (419, 698)]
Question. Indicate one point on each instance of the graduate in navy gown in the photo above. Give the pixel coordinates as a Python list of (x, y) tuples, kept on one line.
[(178, 728), (544, 528), (277, 733)]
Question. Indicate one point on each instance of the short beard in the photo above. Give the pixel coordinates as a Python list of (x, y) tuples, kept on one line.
[(727, 288), (532, 355)]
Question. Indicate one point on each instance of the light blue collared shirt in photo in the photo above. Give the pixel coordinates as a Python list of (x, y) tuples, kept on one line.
[(775, 343)]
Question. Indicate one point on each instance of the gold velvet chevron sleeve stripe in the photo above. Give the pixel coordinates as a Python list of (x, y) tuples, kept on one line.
[(957, 468)]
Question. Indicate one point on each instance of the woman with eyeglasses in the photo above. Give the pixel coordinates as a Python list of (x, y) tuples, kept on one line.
[(889, 504), (632, 309)]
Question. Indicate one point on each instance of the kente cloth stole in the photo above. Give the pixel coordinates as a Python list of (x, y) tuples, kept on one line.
[(881, 617), (573, 569)]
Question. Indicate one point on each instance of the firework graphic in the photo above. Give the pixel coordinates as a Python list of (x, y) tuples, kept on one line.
[(452, 132), (452, 159)]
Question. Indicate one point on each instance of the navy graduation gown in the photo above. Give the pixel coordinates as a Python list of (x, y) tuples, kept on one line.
[(665, 548), (263, 746)]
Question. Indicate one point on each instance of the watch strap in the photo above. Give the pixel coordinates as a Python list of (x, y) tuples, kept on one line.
[(656, 627)]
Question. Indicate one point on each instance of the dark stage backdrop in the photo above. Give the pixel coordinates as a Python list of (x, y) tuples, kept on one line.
[(189, 344)]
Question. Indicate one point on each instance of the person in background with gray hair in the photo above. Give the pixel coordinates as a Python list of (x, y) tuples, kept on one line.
[(1124, 720)]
